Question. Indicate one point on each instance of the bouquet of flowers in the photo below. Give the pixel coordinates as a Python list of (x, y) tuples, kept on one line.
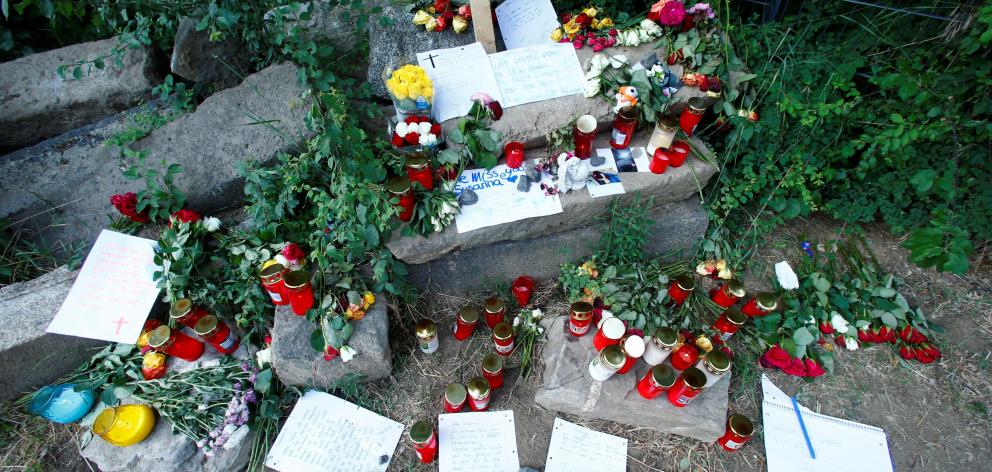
[(415, 133), (528, 330), (584, 29), (438, 15), (411, 90)]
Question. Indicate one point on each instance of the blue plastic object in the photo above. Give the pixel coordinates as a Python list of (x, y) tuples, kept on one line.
[(62, 403)]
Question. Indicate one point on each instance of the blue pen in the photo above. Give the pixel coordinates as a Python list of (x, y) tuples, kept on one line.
[(795, 406)]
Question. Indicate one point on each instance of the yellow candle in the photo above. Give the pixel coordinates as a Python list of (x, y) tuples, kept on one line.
[(124, 425)]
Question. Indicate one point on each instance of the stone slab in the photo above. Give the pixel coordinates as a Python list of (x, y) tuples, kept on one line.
[(39, 104), (165, 451), (675, 185), (30, 356), (675, 226), (62, 186), (568, 388), (296, 363), (195, 57)]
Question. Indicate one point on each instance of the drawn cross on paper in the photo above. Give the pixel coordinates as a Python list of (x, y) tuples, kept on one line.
[(120, 322), (431, 57)]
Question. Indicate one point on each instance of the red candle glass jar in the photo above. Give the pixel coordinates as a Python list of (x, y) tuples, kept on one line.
[(656, 381), (418, 169), (761, 305), (610, 331), (400, 189), (680, 289), (272, 280), (583, 134), (478, 394), (661, 345), (503, 338), (678, 154), (299, 291), (522, 289), (692, 114), (514, 151), (727, 293), (424, 441), (688, 386), (633, 348), (495, 311), (579, 319), (659, 162), (728, 323), (624, 126), (174, 343), (714, 365), (454, 397), (684, 356), (739, 431), (492, 370), (186, 313), (217, 334), (465, 322)]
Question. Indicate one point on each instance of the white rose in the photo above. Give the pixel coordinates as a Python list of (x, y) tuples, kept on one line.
[(786, 276), (596, 65), (643, 36), (516, 321), (537, 313), (211, 224), (425, 128), (347, 353), (650, 27), (631, 38), (851, 344), (619, 61), (422, 139), (431, 139), (401, 129), (264, 357), (593, 87), (839, 323), (281, 259)]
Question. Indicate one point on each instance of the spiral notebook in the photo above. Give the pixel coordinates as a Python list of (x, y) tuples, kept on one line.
[(838, 443)]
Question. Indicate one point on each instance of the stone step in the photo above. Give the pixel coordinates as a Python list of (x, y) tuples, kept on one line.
[(297, 363), (30, 356), (62, 186), (580, 210), (568, 388), (38, 104)]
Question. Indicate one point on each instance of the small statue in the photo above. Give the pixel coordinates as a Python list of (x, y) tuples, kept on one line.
[(572, 172), (626, 96)]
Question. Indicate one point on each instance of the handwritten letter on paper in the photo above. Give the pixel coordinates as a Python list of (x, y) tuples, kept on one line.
[(479, 442), (457, 74), (327, 434), (526, 22), (577, 449), (499, 200), (537, 73), (113, 292)]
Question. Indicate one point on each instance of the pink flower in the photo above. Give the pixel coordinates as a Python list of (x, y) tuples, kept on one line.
[(671, 13), (293, 253), (482, 97), (597, 47), (577, 44)]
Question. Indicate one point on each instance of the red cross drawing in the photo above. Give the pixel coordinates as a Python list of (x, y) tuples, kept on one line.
[(121, 322)]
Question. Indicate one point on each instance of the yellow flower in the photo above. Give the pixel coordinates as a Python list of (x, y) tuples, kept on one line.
[(143, 339), (595, 24), (367, 300), (420, 18), (431, 24), (556, 35), (571, 28), (591, 12), (459, 24), (153, 360), (415, 91), (606, 23), (268, 263)]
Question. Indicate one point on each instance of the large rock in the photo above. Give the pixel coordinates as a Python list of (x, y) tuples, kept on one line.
[(675, 185), (30, 356), (568, 388), (297, 363), (219, 63), (62, 186), (675, 226), (39, 104), (165, 451)]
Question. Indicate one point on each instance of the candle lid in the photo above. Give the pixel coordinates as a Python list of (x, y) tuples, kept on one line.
[(612, 327), (271, 270), (417, 161), (628, 112), (696, 104), (582, 310), (613, 357), (421, 432), (297, 279), (633, 346), (667, 122), (767, 301), (717, 362), (735, 316), (478, 387), (206, 325), (425, 329), (694, 378), (468, 314), (494, 305), (454, 393), (665, 338), (685, 282), (492, 363), (398, 185), (740, 425), (663, 375), (181, 308), (158, 337), (502, 331), (736, 288)]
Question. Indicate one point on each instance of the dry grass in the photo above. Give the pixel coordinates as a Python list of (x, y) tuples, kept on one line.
[(30, 443)]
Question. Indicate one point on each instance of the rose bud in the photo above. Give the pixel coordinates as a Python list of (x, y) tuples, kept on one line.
[(495, 110), (906, 352), (597, 48), (412, 138), (864, 336), (448, 15), (704, 84), (727, 350), (753, 116), (672, 58), (566, 17), (397, 141), (577, 44), (465, 11), (330, 353), (826, 328), (932, 351), (459, 24), (442, 5), (922, 356), (436, 129), (583, 19), (411, 120), (813, 368), (839, 340), (614, 32), (905, 333), (268, 339), (442, 23)]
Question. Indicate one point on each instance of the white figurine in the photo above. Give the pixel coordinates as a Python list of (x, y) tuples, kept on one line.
[(572, 172)]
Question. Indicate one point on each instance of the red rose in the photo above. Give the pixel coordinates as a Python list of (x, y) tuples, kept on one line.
[(714, 83), (184, 216), (864, 336), (293, 252), (688, 23), (442, 23), (777, 357), (436, 129), (753, 116), (922, 355), (495, 110), (566, 17), (577, 44), (448, 15), (932, 351), (614, 32), (412, 138), (397, 140), (796, 368), (268, 339), (704, 84), (330, 353), (813, 368), (906, 332), (727, 350), (127, 204), (411, 120), (906, 352), (583, 20), (826, 328), (442, 5)]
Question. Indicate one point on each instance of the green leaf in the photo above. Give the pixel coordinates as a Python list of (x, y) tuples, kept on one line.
[(923, 180), (77, 73), (802, 337), (108, 397), (890, 320), (317, 340), (456, 136), (263, 381)]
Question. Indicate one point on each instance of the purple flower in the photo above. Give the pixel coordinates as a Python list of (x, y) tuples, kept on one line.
[(237, 386), (250, 397), (252, 378)]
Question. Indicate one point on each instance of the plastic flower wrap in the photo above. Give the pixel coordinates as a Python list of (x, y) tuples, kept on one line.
[(411, 89)]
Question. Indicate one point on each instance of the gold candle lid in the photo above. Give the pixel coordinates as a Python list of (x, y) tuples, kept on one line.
[(767, 301), (492, 363), (271, 270), (628, 112), (181, 308), (697, 105), (417, 161), (421, 432), (502, 331), (740, 425), (494, 305), (735, 316), (297, 279), (206, 325), (398, 185), (613, 357), (478, 387), (468, 314), (717, 362), (582, 310), (664, 376), (736, 288), (685, 282), (667, 122), (160, 336), (454, 393), (425, 329), (665, 338), (694, 378)]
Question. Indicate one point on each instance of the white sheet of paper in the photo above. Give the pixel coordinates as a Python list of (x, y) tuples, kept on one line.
[(457, 74), (577, 449), (537, 73), (525, 23), (479, 442), (113, 292), (604, 179), (327, 434), (499, 200), (835, 441)]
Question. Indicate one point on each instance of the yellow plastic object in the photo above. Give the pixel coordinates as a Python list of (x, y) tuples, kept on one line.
[(124, 425)]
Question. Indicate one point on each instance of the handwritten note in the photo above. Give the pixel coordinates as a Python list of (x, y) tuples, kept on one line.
[(480, 442), (457, 74), (537, 73), (499, 200), (327, 434), (577, 449), (113, 292), (526, 22)]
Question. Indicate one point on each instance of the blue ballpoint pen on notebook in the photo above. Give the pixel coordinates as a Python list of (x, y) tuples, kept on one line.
[(795, 406)]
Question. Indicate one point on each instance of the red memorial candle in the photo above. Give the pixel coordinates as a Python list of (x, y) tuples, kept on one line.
[(579, 319), (186, 313), (418, 169), (656, 381), (761, 305), (726, 294), (503, 338), (739, 431), (217, 334), (728, 323), (424, 441), (299, 291), (692, 114), (400, 189), (174, 343), (688, 386), (492, 370), (465, 322), (272, 280), (624, 126), (495, 311), (680, 288)]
